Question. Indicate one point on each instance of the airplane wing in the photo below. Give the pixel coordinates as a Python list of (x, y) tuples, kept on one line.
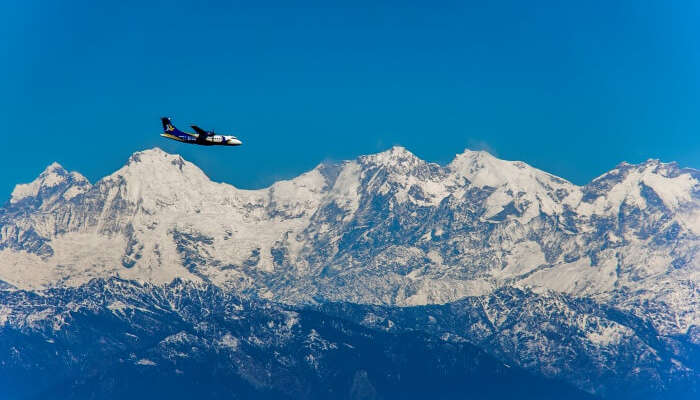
[(201, 132)]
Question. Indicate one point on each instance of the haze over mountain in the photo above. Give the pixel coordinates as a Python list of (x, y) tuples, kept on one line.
[(594, 285)]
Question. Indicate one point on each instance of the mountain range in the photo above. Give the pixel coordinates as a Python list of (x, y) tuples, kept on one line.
[(585, 290)]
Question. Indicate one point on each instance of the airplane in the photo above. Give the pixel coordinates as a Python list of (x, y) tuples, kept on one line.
[(202, 137)]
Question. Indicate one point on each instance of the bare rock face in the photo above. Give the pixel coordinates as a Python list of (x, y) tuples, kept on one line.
[(392, 230)]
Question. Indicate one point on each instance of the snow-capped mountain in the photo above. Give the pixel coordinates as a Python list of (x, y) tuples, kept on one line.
[(387, 228), (542, 274)]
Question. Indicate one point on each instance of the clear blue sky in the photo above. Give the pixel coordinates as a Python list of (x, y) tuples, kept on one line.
[(569, 87)]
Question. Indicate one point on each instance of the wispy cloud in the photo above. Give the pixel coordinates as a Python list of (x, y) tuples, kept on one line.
[(477, 144)]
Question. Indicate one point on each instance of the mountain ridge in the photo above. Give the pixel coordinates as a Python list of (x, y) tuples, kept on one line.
[(593, 285), (187, 336), (135, 157), (166, 328), (387, 228)]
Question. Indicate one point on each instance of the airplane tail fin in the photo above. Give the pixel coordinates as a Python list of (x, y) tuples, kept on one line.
[(167, 125)]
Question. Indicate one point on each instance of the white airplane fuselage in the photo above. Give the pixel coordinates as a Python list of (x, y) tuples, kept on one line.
[(223, 140)]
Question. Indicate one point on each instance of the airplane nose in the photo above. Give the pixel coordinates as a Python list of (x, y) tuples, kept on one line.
[(235, 142)]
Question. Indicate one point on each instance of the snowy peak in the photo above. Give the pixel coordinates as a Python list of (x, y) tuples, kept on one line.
[(483, 169), (155, 173), (396, 158), (395, 152), (157, 159), (153, 156), (625, 171), (54, 168), (639, 184), (53, 181), (398, 163), (515, 184)]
